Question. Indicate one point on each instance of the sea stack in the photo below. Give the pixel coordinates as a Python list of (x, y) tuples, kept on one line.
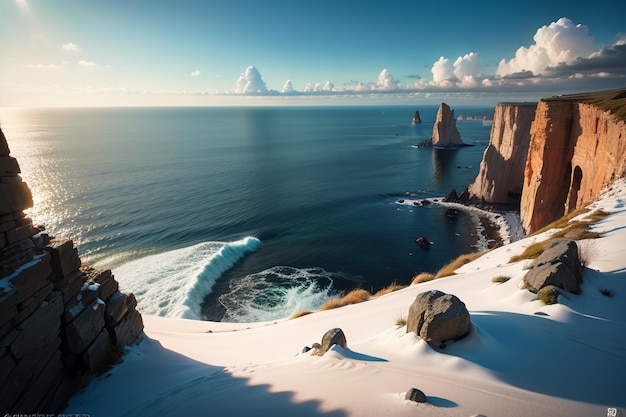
[(445, 133), (416, 118)]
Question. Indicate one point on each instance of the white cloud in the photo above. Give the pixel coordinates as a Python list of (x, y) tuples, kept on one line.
[(443, 71), (251, 82), (195, 73), (561, 42), (72, 47), (467, 66), (328, 86), (288, 87), (386, 81), (86, 64)]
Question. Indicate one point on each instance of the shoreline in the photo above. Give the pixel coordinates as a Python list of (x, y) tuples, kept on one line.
[(494, 227)]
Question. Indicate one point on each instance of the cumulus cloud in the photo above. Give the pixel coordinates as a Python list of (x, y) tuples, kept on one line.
[(386, 81), (288, 87), (86, 64), (72, 47), (443, 71), (467, 67), (195, 73), (609, 60), (328, 86), (251, 82), (561, 42)]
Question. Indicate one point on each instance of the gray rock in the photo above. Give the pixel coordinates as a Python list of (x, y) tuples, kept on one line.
[(558, 265), (416, 395), (437, 318), (332, 337)]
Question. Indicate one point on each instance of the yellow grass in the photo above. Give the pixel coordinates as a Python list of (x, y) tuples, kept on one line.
[(423, 277), (391, 288), (531, 252), (353, 297), (301, 314), (448, 269)]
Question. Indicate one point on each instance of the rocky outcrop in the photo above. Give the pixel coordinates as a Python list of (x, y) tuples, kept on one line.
[(558, 265), (59, 319), (438, 318), (416, 118), (576, 149), (501, 175), (445, 133)]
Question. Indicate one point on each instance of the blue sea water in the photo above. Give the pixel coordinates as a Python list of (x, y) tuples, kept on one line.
[(244, 213)]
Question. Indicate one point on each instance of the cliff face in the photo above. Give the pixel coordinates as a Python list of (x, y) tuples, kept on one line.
[(501, 175), (445, 133), (576, 149), (59, 320)]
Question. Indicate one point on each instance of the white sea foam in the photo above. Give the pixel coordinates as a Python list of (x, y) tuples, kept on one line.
[(277, 293), (174, 284)]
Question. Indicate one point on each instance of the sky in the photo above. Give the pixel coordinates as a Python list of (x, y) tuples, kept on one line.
[(223, 52)]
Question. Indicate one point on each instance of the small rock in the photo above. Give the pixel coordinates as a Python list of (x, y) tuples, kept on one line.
[(422, 241), (415, 395), (332, 337)]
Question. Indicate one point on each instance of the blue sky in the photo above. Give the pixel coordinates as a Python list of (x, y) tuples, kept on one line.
[(204, 52)]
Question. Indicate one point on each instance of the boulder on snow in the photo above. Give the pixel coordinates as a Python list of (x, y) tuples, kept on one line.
[(332, 337), (415, 395), (558, 265), (437, 318)]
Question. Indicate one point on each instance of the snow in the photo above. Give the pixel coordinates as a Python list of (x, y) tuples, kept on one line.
[(522, 358)]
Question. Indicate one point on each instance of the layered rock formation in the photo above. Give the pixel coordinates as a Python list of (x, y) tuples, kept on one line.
[(576, 149), (445, 133), (501, 175), (59, 320)]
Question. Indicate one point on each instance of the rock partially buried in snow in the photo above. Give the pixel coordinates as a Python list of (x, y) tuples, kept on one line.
[(332, 337), (416, 395), (437, 318)]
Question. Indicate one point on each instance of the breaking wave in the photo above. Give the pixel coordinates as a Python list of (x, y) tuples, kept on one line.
[(280, 292), (174, 283)]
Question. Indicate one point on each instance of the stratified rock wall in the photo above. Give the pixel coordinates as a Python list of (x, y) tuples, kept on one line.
[(501, 175), (576, 149), (59, 320), (445, 133)]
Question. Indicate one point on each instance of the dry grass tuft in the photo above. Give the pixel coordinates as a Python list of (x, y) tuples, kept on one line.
[(301, 314), (531, 252), (422, 277), (353, 297), (562, 222), (448, 269), (500, 279), (389, 289), (587, 251)]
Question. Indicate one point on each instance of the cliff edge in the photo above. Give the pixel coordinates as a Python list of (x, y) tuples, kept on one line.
[(501, 175), (577, 147), (60, 321)]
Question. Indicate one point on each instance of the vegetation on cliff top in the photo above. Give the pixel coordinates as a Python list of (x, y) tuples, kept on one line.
[(613, 101)]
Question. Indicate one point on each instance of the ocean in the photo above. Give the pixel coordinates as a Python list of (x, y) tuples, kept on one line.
[(247, 213)]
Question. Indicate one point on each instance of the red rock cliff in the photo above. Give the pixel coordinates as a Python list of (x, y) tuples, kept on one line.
[(501, 175), (575, 150)]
